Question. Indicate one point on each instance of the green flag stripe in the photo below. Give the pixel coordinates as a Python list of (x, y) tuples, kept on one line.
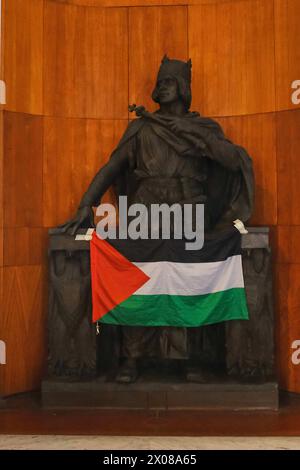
[(179, 310)]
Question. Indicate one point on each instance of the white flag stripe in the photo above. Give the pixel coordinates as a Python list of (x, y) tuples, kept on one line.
[(191, 278)]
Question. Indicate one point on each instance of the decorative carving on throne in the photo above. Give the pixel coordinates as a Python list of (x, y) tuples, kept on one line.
[(72, 346), (250, 344)]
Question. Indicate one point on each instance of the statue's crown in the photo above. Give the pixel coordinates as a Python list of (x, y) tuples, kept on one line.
[(175, 68)]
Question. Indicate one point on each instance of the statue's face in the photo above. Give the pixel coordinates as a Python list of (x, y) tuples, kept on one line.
[(167, 90)]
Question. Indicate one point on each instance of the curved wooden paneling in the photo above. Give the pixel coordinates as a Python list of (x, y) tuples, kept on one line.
[(74, 150), (25, 246), (257, 134), (288, 154), (288, 324), (2, 366), (23, 328), (287, 50), (23, 170), (232, 48), (288, 244), (138, 3), (85, 62), (71, 61), (23, 55), (153, 32), (1, 191), (288, 253)]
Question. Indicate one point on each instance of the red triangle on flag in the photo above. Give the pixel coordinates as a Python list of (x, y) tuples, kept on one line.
[(114, 277)]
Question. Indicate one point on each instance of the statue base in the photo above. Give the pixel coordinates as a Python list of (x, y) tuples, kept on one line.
[(151, 393)]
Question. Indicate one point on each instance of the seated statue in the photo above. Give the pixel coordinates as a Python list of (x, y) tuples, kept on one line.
[(171, 156)]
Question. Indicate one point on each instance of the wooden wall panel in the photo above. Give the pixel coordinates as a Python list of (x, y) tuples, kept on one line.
[(134, 3), (23, 323), (2, 366), (288, 244), (85, 62), (287, 50), (23, 170), (153, 32), (288, 156), (25, 246), (1, 301), (1, 188), (74, 150), (23, 55), (1, 246), (257, 134), (288, 323), (232, 48)]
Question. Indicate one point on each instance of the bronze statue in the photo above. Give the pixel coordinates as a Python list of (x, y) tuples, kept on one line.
[(171, 156)]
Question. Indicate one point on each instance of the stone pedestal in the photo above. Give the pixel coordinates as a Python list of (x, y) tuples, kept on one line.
[(150, 394)]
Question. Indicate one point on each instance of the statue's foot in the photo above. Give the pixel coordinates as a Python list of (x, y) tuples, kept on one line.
[(128, 372), (197, 375), (249, 374), (252, 374)]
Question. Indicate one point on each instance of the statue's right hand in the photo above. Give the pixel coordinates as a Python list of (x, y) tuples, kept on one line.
[(84, 218)]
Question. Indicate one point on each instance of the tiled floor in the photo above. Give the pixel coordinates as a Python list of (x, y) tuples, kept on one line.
[(147, 443)]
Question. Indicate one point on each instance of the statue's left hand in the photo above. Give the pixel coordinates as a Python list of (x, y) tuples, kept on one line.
[(84, 218), (178, 125)]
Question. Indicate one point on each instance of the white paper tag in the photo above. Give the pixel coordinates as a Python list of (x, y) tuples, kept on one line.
[(85, 237), (240, 226)]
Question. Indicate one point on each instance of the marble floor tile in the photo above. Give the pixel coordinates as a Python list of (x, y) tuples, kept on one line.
[(147, 443)]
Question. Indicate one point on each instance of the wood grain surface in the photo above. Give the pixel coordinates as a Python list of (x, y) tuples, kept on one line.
[(287, 51), (23, 55), (288, 155), (74, 150), (85, 61), (23, 327), (232, 48), (23, 170)]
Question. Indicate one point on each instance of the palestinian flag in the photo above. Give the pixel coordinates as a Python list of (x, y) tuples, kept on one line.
[(160, 283)]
